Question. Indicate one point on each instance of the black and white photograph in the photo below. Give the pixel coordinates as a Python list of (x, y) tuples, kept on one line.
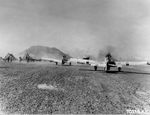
[(75, 57)]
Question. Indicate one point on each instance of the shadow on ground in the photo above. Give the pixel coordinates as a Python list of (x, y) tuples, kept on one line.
[(3, 67), (117, 72)]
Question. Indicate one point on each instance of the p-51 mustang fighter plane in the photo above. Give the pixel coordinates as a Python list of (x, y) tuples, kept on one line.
[(107, 64), (111, 63), (67, 60), (51, 60), (85, 60)]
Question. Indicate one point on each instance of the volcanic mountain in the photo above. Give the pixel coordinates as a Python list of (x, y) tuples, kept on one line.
[(44, 51)]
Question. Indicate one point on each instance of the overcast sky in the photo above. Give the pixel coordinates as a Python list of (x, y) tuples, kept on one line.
[(89, 26)]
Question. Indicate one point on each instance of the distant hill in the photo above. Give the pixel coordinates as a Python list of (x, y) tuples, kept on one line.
[(43, 51)]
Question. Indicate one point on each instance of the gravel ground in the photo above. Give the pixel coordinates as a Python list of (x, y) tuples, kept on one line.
[(79, 89)]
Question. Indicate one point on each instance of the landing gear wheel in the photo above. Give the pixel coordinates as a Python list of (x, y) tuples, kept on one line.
[(119, 69), (95, 68), (107, 68), (62, 63), (70, 63)]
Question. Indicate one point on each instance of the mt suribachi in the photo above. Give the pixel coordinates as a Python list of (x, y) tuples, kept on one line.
[(44, 51)]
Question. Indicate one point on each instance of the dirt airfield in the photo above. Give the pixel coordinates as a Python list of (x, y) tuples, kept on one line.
[(42, 88)]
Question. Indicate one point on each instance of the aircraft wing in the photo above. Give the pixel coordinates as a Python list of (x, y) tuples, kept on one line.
[(118, 64), (96, 63), (132, 63), (103, 64), (82, 61), (78, 61), (51, 60)]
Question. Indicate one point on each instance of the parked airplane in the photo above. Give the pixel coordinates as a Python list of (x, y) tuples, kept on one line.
[(111, 63), (51, 60), (107, 65), (85, 60), (70, 61)]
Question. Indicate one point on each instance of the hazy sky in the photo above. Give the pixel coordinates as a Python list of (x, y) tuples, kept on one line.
[(89, 26)]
